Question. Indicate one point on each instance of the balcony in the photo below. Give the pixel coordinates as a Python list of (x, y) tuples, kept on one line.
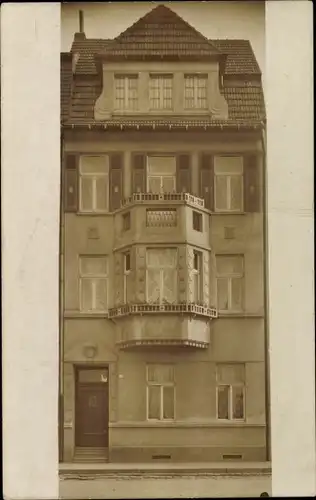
[(177, 198), (173, 330), (187, 308)]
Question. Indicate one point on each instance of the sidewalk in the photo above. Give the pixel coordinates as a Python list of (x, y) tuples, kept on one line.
[(164, 468)]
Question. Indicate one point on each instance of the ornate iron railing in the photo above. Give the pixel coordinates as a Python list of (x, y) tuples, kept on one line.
[(164, 197), (146, 308)]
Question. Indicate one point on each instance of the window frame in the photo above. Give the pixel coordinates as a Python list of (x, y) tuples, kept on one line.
[(161, 275), (126, 274), (92, 277), (230, 401), (229, 278), (197, 217), (195, 77), (161, 385), (93, 176), (126, 78), (160, 77), (228, 175), (161, 175)]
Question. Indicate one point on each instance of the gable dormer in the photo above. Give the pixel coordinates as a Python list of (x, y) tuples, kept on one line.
[(161, 66)]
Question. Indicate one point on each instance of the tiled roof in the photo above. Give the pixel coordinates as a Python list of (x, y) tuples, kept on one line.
[(160, 34), (66, 83), (242, 77)]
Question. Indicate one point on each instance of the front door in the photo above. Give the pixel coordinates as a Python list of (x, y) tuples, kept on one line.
[(92, 421)]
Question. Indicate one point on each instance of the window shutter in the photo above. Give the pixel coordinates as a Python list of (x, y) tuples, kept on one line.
[(251, 184), (207, 180), (71, 183), (139, 173), (183, 174), (116, 171)]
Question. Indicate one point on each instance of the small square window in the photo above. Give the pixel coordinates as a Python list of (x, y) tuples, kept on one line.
[(126, 221), (197, 221)]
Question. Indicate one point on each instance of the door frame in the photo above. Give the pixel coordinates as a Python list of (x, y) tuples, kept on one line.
[(83, 367)]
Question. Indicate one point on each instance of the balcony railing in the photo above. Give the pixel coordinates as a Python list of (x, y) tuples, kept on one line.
[(164, 197), (147, 308)]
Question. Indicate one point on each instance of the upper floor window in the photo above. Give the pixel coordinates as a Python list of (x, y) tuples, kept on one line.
[(228, 172), (195, 91), (93, 283), (127, 277), (161, 176), (197, 276), (230, 391), (160, 92), (160, 392), (94, 183), (126, 92), (230, 279), (162, 275)]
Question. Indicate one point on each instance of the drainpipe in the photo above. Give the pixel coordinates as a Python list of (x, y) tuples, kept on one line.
[(61, 309), (266, 298)]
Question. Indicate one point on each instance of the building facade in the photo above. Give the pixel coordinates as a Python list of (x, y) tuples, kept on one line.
[(162, 321)]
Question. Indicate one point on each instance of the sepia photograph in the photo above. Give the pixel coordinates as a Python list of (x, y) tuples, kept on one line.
[(163, 325), (157, 250)]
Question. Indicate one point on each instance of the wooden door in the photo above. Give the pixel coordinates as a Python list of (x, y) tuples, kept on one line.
[(92, 420)]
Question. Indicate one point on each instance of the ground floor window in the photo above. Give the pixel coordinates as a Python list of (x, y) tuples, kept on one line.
[(230, 391), (160, 392)]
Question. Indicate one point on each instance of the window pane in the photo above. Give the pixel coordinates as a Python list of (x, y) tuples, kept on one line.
[(222, 294), (153, 285), (236, 192), (228, 164), (230, 373), (94, 164), (162, 165), (196, 287), (160, 373), (101, 294), (128, 287), (86, 193), (237, 295), (154, 184), (168, 184), (238, 402), (154, 402), (168, 402), (221, 201), (93, 375), (228, 265), (161, 258), (223, 402), (101, 189), (86, 294), (169, 286), (93, 266)]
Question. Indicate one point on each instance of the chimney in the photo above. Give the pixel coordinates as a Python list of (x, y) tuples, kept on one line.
[(81, 21)]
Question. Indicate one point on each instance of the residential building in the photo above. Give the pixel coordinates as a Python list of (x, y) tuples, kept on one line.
[(162, 247)]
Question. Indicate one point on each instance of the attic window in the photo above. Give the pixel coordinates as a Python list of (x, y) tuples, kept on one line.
[(195, 91), (126, 92), (160, 91)]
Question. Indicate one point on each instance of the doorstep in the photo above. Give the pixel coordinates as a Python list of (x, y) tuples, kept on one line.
[(164, 468)]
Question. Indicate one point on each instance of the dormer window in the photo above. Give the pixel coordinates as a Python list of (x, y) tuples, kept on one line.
[(195, 91), (126, 92), (160, 92)]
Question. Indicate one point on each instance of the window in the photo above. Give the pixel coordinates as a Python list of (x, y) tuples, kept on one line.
[(195, 91), (127, 277), (197, 221), (230, 280), (161, 275), (197, 281), (126, 218), (228, 183), (161, 174), (93, 284), (94, 183), (230, 391), (126, 92), (160, 91), (160, 392)]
